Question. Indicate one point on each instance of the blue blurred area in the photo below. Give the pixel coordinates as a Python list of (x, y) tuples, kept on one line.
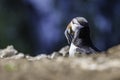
[(37, 26)]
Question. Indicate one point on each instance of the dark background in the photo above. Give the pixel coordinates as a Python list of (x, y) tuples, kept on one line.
[(37, 26)]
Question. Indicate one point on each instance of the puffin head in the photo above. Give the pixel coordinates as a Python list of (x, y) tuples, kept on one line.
[(78, 27)]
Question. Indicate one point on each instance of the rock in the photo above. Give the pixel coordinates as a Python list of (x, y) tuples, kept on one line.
[(114, 50), (64, 51), (8, 52), (55, 55), (38, 57), (84, 67), (18, 56)]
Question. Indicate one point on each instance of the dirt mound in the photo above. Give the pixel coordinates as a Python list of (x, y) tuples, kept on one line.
[(58, 66)]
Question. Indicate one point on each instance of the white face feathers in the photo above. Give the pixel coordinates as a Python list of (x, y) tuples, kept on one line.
[(75, 26), (82, 19), (75, 23)]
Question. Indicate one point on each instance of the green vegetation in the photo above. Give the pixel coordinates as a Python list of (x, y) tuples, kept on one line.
[(10, 67)]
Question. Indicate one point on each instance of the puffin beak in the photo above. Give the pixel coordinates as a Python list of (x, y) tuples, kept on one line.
[(69, 36)]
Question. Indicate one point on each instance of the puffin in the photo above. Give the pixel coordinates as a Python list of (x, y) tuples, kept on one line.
[(77, 34)]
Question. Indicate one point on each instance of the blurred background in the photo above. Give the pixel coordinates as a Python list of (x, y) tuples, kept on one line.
[(37, 26)]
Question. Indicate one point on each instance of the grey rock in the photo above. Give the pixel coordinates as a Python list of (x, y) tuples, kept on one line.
[(41, 56), (18, 56), (8, 52), (55, 55), (64, 51)]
